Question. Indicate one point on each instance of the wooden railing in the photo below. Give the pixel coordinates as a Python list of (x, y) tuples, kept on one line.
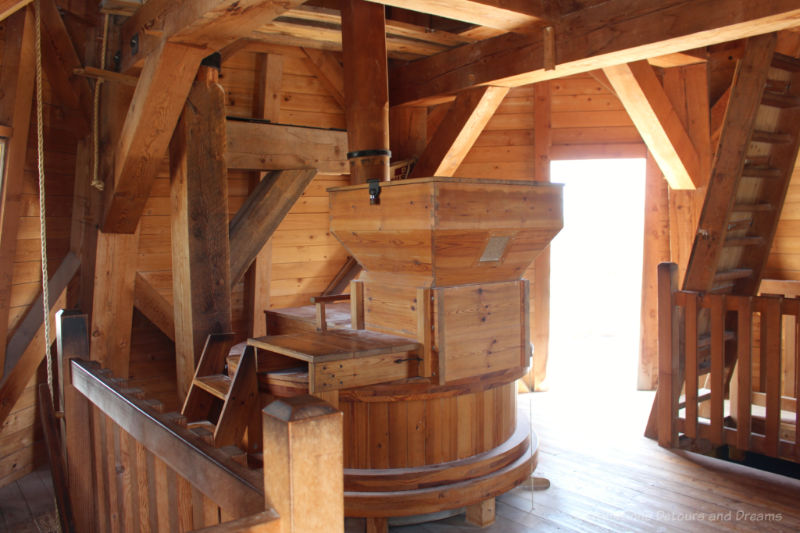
[(723, 362), (131, 468)]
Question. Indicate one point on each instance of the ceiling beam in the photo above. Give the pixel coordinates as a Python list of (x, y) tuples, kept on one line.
[(610, 33), (507, 15), (646, 102), (9, 7)]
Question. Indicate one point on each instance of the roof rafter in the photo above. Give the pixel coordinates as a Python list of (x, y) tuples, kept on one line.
[(610, 33)]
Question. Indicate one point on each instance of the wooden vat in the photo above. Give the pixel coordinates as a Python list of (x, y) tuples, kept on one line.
[(443, 262)]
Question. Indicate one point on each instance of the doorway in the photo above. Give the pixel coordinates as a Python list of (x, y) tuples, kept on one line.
[(596, 273)]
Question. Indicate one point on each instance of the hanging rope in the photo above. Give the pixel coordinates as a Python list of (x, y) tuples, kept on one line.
[(96, 183), (42, 224)]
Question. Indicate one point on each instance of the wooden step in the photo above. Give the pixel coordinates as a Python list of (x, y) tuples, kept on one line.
[(736, 225), (784, 62), (753, 208), (733, 274), (203, 429), (217, 384), (781, 100), (772, 137), (757, 171), (744, 241), (704, 341)]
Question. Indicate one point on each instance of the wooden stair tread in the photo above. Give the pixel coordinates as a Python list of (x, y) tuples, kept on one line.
[(744, 241), (732, 274), (772, 137), (758, 171), (203, 429), (704, 341), (784, 62), (216, 384), (336, 314), (750, 208), (781, 100)]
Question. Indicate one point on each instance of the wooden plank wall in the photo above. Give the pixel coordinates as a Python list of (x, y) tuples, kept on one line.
[(784, 258), (21, 444)]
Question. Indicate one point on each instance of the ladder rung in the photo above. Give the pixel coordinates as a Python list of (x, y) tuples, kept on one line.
[(722, 288), (702, 395), (749, 208), (773, 137), (774, 99), (753, 171), (744, 241), (785, 62), (734, 273), (739, 225), (704, 341), (217, 384)]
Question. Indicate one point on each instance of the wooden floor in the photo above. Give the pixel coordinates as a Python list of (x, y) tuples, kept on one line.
[(27, 504), (606, 477)]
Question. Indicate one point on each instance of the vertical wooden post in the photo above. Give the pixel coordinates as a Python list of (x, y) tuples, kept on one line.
[(112, 316), (540, 310), (303, 478), (72, 337), (667, 355), (16, 87), (356, 304), (199, 220), (366, 87), (269, 76), (655, 250)]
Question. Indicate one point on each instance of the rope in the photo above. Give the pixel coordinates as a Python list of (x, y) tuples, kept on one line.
[(42, 224), (96, 183)]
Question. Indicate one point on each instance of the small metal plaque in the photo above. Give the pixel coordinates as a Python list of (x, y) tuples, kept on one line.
[(495, 249)]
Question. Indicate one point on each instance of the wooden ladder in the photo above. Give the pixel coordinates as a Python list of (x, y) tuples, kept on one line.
[(755, 158), (220, 407), (752, 169)]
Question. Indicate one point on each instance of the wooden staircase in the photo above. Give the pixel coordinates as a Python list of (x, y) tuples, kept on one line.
[(220, 407), (753, 166)]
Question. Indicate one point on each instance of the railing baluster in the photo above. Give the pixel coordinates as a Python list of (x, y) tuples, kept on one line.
[(745, 371), (691, 365), (771, 325), (717, 367), (668, 356)]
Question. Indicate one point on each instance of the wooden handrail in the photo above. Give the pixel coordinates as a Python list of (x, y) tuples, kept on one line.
[(230, 485)]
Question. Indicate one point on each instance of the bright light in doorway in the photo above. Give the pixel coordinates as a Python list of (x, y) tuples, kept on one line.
[(596, 268)]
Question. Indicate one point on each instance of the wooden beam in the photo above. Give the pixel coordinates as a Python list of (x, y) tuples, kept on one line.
[(17, 380), (258, 218), (34, 316), (112, 304), (408, 132), (155, 307), (540, 292), (9, 7), (206, 24), (459, 130), (328, 71), (59, 60), (261, 146), (514, 15), (639, 90), (366, 87), (259, 276), (201, 281), (609, 33), (16, 88), (157, 102), (655, 250)]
